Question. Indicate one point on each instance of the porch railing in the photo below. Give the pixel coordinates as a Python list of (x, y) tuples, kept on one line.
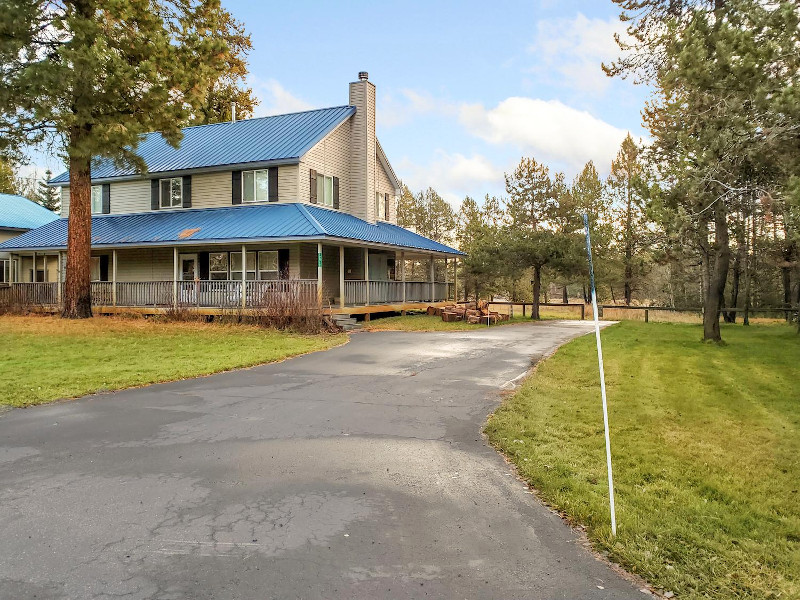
[(30, 294), (391, 292)]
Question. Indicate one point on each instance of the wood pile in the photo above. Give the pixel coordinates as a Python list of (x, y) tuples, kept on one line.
[(470, 312)]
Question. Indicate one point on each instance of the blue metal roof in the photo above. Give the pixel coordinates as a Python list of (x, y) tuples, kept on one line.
[(17, 212), (276, 138), (262, 222)]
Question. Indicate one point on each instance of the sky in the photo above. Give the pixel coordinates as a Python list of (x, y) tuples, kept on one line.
[(464, 89)]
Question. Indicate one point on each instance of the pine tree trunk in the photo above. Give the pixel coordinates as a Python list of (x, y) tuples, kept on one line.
[(628, 248), (77, 288), (537, 287), (718, 274), (730, 316)]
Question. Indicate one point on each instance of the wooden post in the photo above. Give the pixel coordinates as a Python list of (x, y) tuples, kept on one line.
[(175, 277), (403, 275), (341, 276), (455, 279), (114, 277), (583, 311), (646, 315), (433, 281), (523, 309), (58, 278), (319, 273), (244, 276), (366, 276)]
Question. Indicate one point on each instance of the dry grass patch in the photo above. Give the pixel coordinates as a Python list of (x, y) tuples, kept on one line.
[(45, 358)]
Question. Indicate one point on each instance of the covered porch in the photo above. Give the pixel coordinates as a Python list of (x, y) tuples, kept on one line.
[(345, 278)]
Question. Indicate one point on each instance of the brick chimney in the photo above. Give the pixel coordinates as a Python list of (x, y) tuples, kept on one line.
[(363, 148)]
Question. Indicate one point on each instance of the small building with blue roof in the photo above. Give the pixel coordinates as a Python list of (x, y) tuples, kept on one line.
[(243, 212), (18, 215)]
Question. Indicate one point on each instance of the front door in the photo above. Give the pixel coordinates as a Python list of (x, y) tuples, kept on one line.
[(188, 267)]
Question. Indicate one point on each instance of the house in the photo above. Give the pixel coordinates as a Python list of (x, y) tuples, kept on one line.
[(18, 215), (302, 203)]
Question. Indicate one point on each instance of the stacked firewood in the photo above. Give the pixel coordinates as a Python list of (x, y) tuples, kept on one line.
[(470, 312)]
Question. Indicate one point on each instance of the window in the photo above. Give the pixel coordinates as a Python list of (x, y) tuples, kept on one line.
[(97, 199), (380, 206), (268, 265), (218, 266), (325, 190), (255, 186), (5, 271), (171, 192), (236, 265), (95, 268)]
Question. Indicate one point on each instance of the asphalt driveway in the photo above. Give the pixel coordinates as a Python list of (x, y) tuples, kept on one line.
[(354, 473)]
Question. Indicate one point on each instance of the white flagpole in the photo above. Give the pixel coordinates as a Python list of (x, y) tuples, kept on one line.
[(602, 378)]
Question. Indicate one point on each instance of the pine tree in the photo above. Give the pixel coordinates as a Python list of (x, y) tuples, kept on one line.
[(46, 195), (91, 77)]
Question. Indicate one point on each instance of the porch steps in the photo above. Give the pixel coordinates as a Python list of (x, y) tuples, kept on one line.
[(346, 322)]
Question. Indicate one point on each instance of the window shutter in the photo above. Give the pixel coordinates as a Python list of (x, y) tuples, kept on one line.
[(386, 206), (283, 263), (104, 267), (202, 266), (106, 198), (236, 187), (335, 192), (187, 192), (154, 194), (272, 182), (312, 184)]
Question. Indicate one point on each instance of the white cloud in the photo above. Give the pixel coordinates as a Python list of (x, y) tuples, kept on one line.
[(401, 108), (453, 176), (575, 49), (275, 99), (549, 130)]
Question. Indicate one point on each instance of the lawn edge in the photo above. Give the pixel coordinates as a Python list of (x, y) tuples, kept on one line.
[(477, 327), (578, 528), (5, 408)]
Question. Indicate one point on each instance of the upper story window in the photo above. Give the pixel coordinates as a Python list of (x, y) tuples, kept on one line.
[(325, 190), (171, 194), (255, 186), (97, 199)]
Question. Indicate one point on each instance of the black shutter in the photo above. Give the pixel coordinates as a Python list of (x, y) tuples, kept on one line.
[(187, 191), (236, 187), (335, 192), (202, 265), (106, 198), (104, 267), (154, 194), (386, 206), (312, 184), (272, 181), (283, 263)]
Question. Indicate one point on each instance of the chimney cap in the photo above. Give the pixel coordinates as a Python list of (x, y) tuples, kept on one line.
[(363, 76)]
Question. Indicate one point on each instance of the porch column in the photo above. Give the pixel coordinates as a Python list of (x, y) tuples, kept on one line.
[(244, 276), (319, 273), (433, 281), (403, 273), (455, 279), (175, 277), (341, 276), (33, 274), (446, 280), (366, 276), (58, 278), (114, 277)]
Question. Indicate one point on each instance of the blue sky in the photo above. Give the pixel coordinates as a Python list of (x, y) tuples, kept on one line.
[(463, 90)]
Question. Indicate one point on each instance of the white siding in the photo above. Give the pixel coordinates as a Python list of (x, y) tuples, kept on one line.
[(210, 190), (287, 183), (130, 197), (65, 201), (145, 264)]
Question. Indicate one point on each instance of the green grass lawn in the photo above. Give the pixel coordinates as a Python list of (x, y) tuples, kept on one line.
[(706, 448), (47, 358), (425, 322)]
